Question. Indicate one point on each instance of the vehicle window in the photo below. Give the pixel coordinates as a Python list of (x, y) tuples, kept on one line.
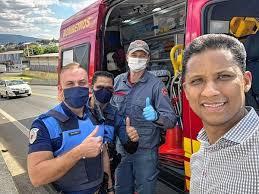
[(79, 54), (67, 57), (14, 82)]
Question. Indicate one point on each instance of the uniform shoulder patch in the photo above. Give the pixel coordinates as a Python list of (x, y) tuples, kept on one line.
[(164, 91), (33, 135)]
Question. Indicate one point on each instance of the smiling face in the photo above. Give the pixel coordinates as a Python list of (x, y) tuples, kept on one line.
[(215, 88)]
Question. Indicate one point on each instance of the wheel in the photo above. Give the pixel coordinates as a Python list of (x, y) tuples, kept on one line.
[(7, 96), (29, 94)]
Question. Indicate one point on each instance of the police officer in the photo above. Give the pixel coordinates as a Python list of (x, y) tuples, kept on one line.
[(115, 124), (65, 143), (144, 98)]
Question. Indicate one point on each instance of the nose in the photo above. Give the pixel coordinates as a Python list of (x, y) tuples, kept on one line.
[(210, 89)]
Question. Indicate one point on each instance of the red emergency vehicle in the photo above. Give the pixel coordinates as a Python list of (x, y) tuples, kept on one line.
[(98, 37)]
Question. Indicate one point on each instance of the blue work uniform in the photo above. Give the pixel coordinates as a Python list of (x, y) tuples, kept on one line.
[(60, 130), (130, 99), (114, 123), (114, 126)]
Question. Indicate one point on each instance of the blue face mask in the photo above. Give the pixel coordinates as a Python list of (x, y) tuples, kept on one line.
[(76, 97), (103, 95)]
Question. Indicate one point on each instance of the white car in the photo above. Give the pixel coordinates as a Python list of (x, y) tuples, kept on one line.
[(12, 88)]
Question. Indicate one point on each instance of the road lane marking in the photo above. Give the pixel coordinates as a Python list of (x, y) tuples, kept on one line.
[(12, 164), (20, 126), (44, 95)]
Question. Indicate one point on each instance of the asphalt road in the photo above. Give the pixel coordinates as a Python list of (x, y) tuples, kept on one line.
[(16, 116)]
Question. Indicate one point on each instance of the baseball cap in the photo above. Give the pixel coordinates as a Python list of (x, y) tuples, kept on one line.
[(138, 45)]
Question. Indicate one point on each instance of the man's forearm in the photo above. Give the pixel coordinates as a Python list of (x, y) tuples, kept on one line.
[(52, 169), (165, 121)]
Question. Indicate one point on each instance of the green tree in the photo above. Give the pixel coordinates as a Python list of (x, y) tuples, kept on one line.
[(51, 49), (37, 50), (33, 50)]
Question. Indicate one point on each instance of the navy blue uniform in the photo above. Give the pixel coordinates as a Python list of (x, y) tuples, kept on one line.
[(60, 130)]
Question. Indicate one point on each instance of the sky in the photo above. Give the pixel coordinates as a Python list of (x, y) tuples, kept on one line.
[(37, 18)]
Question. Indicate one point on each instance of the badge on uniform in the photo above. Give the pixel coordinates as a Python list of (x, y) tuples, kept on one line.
[(33, 135)]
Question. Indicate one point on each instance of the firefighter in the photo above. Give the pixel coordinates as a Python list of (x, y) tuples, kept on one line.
[(115, 124), (144, 99), (65, 143), (215, 84)]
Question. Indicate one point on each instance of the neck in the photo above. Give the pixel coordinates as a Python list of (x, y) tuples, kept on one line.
[(135, 76), (214, 133), (78, 111)]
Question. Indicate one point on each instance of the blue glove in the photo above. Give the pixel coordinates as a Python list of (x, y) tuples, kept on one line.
[(149, 112)]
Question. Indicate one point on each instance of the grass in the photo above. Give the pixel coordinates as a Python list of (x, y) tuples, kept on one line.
[(28, 75), (40, 75)]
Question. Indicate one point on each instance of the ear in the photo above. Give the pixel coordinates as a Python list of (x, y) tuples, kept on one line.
[(127, 57), (148, 59), (60, 93), (247, 81)]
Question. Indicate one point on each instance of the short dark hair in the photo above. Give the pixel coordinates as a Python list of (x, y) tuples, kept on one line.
[(216, 41), (102, 74)]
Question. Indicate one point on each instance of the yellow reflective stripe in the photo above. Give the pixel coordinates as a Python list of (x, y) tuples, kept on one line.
[(187, 155), (187, 145), (187, 169), (187, 182), (195, 145)]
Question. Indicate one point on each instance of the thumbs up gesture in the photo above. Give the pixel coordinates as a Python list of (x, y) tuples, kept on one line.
[(149, 112), (92, 145), (131, 131)]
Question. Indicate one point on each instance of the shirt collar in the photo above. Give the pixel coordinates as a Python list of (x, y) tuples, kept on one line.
[(143, 78), (240, 132), (69, 113)]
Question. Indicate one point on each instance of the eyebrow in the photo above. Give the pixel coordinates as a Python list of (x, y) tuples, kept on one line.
[(68, 82), (83, 80), (218, 72)]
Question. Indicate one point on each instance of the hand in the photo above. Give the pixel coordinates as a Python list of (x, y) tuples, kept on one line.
[(92, 145), (131, 131), (149, 112)]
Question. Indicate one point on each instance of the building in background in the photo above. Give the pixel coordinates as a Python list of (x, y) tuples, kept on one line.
[(45, 62), (12, 60)]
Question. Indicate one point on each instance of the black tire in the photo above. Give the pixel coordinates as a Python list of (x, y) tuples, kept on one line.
[(29, 94), (7, 96)]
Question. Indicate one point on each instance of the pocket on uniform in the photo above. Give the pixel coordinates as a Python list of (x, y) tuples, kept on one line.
[(137, 109), (77, 174), (93, 167)]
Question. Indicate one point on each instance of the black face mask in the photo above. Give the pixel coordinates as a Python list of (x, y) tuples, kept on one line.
[(103, 95), (76, 97)]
